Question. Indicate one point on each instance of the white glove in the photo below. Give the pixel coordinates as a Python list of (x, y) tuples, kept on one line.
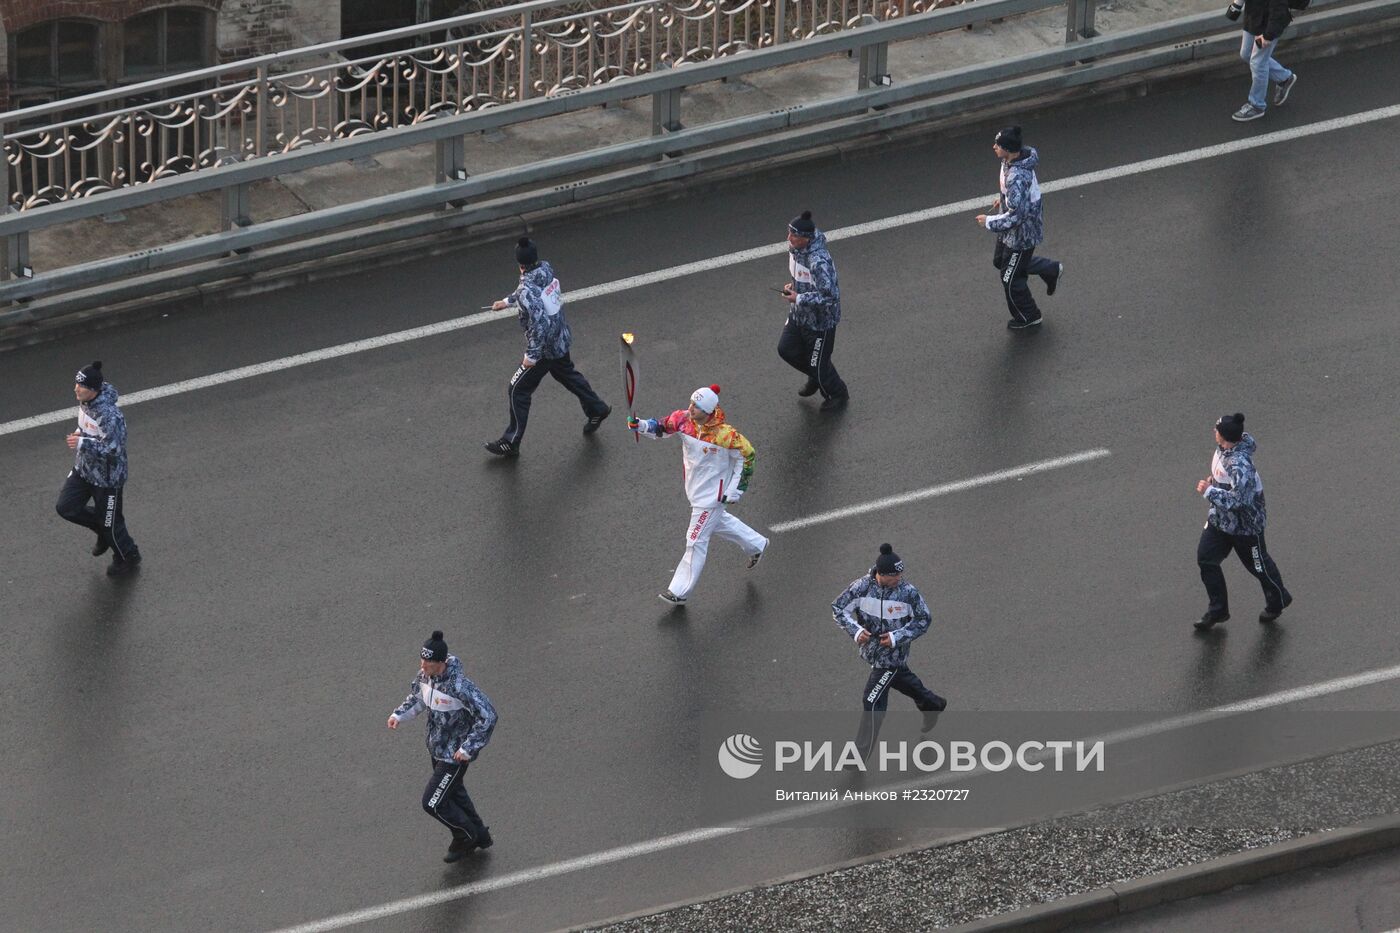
[(733, 496)]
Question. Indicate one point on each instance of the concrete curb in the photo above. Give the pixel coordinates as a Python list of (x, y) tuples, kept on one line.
[(1336, 845), (1195, 880), (802, 875), (395, 242)]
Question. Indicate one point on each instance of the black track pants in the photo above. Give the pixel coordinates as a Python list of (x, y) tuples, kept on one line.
[(525, 381), (445, 799), (876, 699), (1015, 265), (809, 352), (1215, 545), (105, 519)]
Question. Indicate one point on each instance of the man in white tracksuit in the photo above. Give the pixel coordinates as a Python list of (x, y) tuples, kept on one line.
[(718, 465)]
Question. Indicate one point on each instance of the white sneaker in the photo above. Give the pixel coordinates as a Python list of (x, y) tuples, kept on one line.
[(753, 560), (669, 597)]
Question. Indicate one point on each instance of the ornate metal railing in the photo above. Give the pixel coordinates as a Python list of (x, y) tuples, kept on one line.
[(279, 103)]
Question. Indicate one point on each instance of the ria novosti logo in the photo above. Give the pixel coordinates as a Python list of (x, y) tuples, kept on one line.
[(740, 756)]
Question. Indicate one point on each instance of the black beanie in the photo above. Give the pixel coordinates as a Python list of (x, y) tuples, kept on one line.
[(90, 376), (888, 561), (525, 252), (1231, 427), (435, 649), (1010, 139), (802, 224)]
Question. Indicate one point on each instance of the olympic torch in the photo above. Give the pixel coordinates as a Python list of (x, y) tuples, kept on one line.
[(627, 355)]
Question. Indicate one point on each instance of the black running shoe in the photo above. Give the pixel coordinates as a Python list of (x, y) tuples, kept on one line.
[(931, 715), (461, 845), (809, 389), (835, 403), (1211, 619), (483, 838), (503, 448), (1055, 282), (1023, 325), (593, 421), (100, 548), (120, 567), (1271, 615)]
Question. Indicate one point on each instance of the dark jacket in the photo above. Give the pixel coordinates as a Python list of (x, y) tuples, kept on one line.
[(1236, 493), (459, 715), (818, 304), (540, 303), (1021, 224), (101, 455), (1267, 18), (897, 611)]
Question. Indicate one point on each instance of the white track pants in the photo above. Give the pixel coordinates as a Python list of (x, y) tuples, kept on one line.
[(714, 520)]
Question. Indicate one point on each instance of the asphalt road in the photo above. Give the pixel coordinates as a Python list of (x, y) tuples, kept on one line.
[(204, 746)]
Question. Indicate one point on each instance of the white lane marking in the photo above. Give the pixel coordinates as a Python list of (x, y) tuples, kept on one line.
[(677, 840), (718, 262), (271, 366), (524, 876), (986, 479)]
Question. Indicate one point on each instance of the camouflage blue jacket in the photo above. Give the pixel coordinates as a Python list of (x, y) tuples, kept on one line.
[(459, 715), (1021, 223), (818, 304), (1236, 492), (101, 455), (898, 610), (540, 301)]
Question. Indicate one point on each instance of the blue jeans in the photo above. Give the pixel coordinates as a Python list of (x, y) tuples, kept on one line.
[(1264, 69)]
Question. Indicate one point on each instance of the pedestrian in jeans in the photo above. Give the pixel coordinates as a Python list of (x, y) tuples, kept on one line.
[(1235, 523), (1264, 22)]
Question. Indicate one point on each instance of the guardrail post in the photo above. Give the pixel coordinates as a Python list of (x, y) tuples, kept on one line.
[(4, 171), (14, 254), (16, 258), (1079, 20), (779, 21), (666, 111), (451, 159), (874, 61), (235, 207), (527, 54), (261, 130)]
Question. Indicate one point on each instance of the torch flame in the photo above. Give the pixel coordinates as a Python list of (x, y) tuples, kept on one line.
[(627, 338)]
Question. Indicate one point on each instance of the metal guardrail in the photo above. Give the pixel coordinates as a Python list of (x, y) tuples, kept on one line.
[(284, 102), (1088, 60), (665, 87)]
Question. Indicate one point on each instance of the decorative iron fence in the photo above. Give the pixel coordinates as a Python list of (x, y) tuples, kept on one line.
[(280, 103)]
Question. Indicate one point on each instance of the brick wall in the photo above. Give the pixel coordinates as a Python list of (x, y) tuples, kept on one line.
[(20, 14), (257, 27), (244, 28)]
